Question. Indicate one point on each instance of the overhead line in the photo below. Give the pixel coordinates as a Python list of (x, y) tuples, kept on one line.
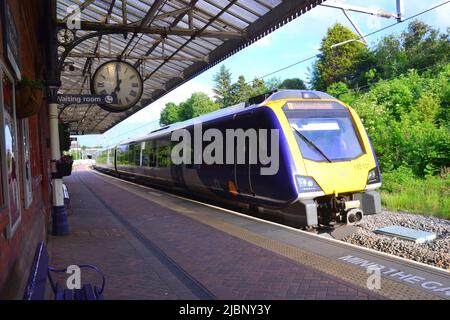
[(361, 37)]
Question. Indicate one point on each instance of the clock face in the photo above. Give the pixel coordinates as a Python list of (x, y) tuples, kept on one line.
[(119, 78)]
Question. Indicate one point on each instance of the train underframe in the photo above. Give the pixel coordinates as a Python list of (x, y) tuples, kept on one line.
[(326, 210), (337, 210)]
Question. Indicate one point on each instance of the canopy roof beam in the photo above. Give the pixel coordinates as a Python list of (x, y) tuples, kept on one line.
[(111, 56), (95, 26)]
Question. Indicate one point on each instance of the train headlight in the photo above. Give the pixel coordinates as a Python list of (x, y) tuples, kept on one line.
[(307, 184), (374, 176)]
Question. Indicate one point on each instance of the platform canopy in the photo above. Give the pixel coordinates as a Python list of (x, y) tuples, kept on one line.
[(169, 41)]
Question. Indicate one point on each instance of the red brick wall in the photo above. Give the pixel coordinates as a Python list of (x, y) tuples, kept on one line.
[(17, 253)]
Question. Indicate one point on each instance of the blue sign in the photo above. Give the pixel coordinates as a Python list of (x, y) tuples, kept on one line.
[(87, 99)]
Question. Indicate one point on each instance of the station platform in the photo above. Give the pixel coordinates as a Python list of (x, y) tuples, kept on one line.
[(151, 244)]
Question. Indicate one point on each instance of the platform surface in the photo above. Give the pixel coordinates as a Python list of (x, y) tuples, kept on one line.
[(155, 245)]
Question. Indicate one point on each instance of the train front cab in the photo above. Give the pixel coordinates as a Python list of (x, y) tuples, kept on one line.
[(336, 168)]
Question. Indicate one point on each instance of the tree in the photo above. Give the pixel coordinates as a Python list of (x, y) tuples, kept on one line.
[(273, 84), (419, 47), (240, 91), (339, 63), (170, 114), (222, 87), (425, 46), (390, 58), (294, 83), (199, 103), (258, 87)]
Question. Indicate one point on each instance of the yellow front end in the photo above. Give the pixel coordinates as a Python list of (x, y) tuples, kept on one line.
[(348, 176), (339, 181)]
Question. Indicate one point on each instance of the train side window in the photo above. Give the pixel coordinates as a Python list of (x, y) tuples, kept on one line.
[(137, 155), (152, 155), (130, 154), (163, 153), (145, 154), (118, 155), (162, 156), (123, 155)]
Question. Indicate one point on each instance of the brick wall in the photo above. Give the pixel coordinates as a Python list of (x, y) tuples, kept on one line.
[(16, 254)]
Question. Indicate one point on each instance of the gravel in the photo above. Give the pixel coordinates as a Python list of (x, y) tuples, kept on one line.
[(436, 253)]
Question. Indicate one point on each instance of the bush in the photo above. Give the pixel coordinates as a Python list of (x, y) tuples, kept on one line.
[(393, 181), (430, 196)]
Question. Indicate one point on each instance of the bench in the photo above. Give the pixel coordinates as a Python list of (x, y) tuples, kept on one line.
[(41, 272)]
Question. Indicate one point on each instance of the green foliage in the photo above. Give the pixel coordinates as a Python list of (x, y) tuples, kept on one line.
[(229, 94), (64, 137), (294, 83), (403, 191), (259, 87), (27, 82), (222, 87), (199, 103), (170, 114), (403, 117), (240, 91), (419, 47), (273, 84), (337, 89), (338, 64)]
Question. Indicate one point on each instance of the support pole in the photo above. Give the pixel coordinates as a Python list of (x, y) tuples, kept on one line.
[(400, 11), (60, 225)]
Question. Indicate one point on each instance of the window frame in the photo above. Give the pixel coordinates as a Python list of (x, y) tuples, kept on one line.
[(11, 227), (290, 115), (26, 170)]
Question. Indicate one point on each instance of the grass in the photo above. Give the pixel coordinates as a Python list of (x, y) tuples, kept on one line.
[(429, 196)]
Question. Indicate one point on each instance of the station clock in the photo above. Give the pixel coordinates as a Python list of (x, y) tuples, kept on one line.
[(121, 79)]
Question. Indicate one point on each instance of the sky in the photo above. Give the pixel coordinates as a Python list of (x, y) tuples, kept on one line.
[(295, 41)]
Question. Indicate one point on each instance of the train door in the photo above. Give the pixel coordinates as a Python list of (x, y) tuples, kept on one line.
[(242, 170)]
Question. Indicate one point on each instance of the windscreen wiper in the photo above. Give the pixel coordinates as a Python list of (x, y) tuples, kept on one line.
[(312, 144)]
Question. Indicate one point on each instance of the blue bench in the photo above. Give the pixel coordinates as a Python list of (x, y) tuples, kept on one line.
[(41, 271)]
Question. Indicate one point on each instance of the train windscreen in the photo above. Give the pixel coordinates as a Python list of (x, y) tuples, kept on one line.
[(324, 131)]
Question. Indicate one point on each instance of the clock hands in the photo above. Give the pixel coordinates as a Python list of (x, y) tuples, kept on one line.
[(118, 80), (121, 80)]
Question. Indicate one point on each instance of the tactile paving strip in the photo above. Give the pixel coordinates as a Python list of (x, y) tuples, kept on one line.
[(389, 288)]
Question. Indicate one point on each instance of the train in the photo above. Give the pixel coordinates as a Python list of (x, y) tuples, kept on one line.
[(300, 155)]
